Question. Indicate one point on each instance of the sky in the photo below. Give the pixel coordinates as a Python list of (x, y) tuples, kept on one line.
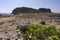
[(7, 6)]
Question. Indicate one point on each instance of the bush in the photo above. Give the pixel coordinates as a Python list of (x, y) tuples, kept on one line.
[(53, 38), (24, 28), (42, 32)]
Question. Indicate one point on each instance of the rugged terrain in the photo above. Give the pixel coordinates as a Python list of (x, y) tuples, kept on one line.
[(8, 25)]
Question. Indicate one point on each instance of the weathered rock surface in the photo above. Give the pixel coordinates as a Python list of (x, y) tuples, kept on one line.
[(44, 10), (19, 10), (24, 10)]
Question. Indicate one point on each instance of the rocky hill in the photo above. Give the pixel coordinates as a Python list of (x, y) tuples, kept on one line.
[(29, 10)]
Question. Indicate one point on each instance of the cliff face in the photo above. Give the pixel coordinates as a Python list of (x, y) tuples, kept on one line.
[(24, 10), (44, 10), (29, 10)]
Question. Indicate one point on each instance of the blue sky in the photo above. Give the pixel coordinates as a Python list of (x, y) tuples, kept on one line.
[(6, 6)]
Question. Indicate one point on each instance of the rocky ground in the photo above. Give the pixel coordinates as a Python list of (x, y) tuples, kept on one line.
[(8, 25)]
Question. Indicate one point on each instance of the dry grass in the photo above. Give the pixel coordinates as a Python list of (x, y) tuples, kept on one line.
[(5, 19)]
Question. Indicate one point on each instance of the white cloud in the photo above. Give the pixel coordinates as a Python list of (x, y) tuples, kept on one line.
[(5, 10)]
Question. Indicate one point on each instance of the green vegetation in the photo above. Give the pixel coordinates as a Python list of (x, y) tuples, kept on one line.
[(42, 32)]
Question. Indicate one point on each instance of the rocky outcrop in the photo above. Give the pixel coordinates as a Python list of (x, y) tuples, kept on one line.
[(29, 10), (24, 10), (44, 10)]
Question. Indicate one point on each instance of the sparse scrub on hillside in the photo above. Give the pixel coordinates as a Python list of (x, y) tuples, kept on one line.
[(41, 32)]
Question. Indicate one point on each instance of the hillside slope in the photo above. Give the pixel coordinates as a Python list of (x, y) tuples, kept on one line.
[(8, 25)]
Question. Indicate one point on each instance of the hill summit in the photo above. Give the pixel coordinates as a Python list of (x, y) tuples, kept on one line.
[(29, 10)]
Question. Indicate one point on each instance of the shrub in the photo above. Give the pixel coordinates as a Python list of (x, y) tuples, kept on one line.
[(42, 32), (58, 32), (53, 38), (24, 28)]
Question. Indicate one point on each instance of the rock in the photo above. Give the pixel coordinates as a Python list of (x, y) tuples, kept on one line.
[(24, 10), (43, 22), (19, 10), (24, 27), (44, 10)]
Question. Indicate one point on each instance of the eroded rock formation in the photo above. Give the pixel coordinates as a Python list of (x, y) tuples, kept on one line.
[(19, 10), (23, 10), (44, 10)]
